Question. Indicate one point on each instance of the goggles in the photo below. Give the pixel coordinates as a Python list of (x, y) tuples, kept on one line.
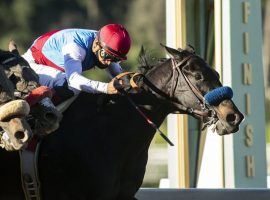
[(106, 56)]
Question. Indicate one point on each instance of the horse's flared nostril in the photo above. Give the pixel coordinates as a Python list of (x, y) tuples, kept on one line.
[(19, 135), (231, 119), (51, 117), (234, 119)]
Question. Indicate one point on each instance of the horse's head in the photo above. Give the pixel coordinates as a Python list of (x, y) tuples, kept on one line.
[(19, 81), (194, 88), (44, 118), (15, 130)]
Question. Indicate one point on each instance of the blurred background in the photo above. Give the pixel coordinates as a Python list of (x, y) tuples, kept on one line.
[(25, 20)]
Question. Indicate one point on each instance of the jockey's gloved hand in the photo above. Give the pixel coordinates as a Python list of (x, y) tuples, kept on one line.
[(119, 85), (110, 88)]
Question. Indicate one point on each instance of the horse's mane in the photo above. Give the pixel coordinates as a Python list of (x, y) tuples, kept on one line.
[(147, 61)]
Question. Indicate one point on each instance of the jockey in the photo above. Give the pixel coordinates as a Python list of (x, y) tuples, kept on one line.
[(59, 57)]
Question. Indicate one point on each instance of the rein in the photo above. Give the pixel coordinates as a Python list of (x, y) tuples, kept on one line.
[(205, 111), (177, 70)]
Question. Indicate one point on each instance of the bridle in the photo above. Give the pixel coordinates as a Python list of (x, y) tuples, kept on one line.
[(206, 110)]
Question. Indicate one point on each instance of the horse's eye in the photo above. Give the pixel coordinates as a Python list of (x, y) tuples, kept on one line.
[(198, 77)]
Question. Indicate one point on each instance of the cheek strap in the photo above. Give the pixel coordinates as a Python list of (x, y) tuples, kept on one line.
[(217, 95)]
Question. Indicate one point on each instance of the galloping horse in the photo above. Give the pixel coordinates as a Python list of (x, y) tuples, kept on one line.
[(100, 150)]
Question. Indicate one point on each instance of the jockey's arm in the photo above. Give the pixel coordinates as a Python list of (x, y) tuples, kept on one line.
[(73, 58), (114, 69)]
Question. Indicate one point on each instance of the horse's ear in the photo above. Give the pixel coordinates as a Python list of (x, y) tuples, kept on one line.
[(142, 52), (190, 49), (142, 57), (13, 47), (172, 52), (179, 49)]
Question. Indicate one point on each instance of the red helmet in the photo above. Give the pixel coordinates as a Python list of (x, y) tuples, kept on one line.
[(115, 39)]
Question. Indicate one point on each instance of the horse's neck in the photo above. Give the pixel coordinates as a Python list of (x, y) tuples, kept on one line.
[(159, 113), (153, 107), (156, 109), (160, 76)]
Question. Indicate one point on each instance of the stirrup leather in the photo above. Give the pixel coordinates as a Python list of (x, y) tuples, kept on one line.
[(29, 173)]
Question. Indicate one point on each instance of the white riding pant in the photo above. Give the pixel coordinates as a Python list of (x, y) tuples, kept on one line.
[(48, 76)]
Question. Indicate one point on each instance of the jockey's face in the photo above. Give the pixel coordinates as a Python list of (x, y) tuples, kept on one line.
[(101, 58), (104, 58)]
